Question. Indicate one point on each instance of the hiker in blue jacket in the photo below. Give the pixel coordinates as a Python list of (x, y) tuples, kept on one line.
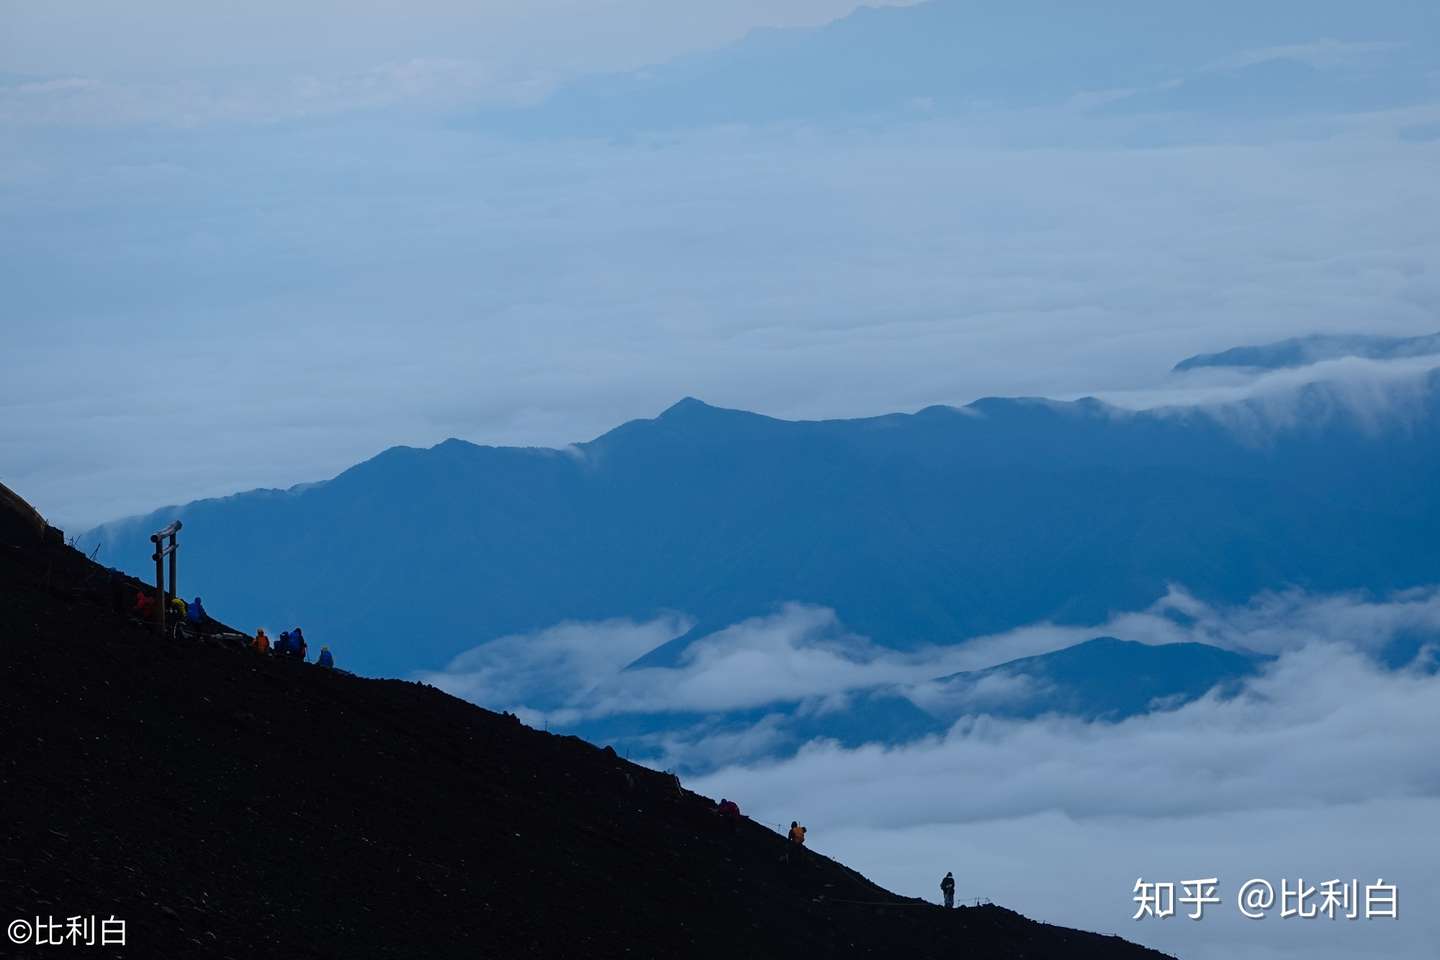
[(195, 613), (297, 644), (325, 660)]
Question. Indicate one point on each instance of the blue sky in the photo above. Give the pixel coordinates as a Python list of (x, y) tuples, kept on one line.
[(287, 237)]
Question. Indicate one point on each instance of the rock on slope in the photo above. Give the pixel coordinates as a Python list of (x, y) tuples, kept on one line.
[(226, 805)]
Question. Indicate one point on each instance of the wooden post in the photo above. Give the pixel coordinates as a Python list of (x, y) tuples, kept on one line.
[(163, 549), (160, 600), (174, 547)]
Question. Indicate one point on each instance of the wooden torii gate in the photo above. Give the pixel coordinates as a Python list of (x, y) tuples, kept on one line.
[(161, 552)]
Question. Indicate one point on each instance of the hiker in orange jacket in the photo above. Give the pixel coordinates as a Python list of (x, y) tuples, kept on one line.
[(796, 838), (262, 642)]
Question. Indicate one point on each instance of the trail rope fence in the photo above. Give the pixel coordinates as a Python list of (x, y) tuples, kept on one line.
[(967, 901), (960, 901)]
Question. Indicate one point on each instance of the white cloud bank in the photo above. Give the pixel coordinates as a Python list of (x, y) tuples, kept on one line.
[(1323, 768), (1371, 394), (803, 654)]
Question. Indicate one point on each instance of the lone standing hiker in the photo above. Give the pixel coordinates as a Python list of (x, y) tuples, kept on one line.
[(947, 887)]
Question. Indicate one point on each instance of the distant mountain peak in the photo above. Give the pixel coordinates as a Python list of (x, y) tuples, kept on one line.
[(694, 411), (1303, 351), (685, 407), (1101, 678)]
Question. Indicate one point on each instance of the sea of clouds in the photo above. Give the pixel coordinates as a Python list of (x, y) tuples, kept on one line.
[(1321, 767)]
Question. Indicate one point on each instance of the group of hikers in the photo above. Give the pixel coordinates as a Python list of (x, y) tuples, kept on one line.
[(192, 613), (291, 644)]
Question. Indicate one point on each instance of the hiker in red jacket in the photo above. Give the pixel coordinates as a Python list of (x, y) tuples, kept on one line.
[(144, 605)]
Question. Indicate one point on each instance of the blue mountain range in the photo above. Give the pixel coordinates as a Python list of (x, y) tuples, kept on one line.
[(949, 57), (1100, 680), (917, 529)]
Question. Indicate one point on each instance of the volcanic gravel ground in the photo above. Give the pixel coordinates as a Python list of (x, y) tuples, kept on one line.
[(225, 804)]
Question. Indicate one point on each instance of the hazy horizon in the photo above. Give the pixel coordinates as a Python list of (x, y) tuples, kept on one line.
[(286, 263)]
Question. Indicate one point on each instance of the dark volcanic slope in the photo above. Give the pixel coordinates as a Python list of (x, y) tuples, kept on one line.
[(226, 805)]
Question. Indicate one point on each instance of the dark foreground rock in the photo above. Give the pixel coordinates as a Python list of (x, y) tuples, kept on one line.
[(228, 805)]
